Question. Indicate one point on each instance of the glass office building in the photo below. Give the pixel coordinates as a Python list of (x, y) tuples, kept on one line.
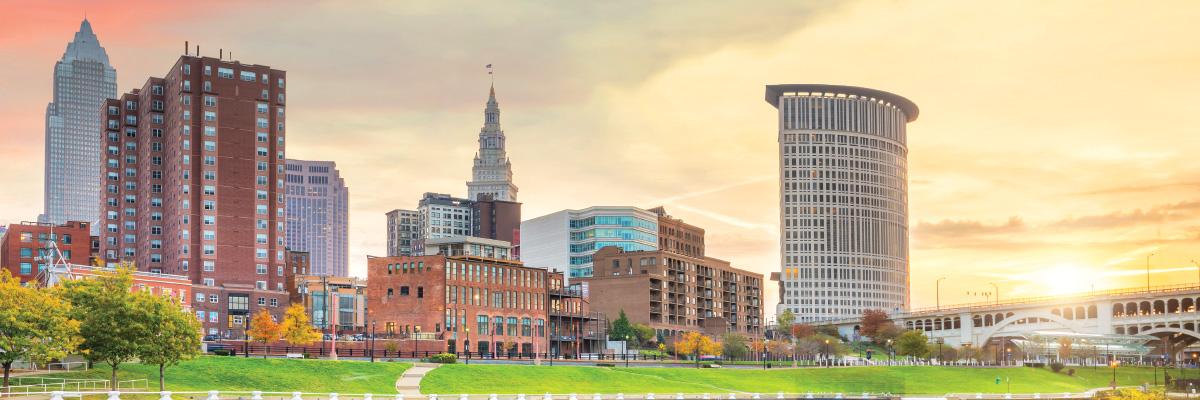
[(565, 241)]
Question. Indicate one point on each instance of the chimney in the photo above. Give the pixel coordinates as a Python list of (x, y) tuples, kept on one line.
[(220, 54), (197, 50), (185, 47)]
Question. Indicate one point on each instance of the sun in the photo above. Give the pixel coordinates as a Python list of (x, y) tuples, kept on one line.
[(1065, 279)]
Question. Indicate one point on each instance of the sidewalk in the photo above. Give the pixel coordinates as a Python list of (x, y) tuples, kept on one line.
[(410, 382)]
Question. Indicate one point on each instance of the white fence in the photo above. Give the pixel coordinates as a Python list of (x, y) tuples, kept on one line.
[(37, 385)]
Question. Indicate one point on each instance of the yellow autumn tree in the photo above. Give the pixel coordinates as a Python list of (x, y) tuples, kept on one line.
[(296, 328), (697, 345)]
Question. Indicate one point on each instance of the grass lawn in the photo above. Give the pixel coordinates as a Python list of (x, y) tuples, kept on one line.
[(453, 379), (268, 375)]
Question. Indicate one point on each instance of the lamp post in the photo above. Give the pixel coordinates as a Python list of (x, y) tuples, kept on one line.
[(938, 292), (766, 352), (1197, 271), (373, 341), (625, 352), (246, 335), (1148, 271), (416, 331), (827, 351), (997, 290), (467, 345), (1114, 364), (1008, 355)]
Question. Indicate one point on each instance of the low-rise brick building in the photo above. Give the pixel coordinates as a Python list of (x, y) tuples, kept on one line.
[(466, 302), (675, 293), (25, 247)]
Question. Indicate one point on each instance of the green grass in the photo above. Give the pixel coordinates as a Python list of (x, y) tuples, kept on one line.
[(268, 375), (454, 379)]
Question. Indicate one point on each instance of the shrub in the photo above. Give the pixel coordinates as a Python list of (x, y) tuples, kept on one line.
[(1035, 364), (443, 358), (1056, 366), (606, 365), (1071, 372)]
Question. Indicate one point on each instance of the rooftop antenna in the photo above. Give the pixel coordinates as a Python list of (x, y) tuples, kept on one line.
[(220, 54), (185, 48)]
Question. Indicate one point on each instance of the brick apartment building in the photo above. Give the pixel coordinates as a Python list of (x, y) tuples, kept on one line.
[(463, 301), (193, 179), (676, 288), (573, 327), (25, 247)]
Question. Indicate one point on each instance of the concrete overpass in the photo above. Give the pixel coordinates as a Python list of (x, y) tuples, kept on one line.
[(1162, 320)]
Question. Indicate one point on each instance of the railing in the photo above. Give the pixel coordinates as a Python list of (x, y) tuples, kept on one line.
[(28, 385), (1038, 299)]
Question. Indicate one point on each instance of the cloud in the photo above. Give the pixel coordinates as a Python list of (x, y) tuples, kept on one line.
[(1117, 219), (967, 228)]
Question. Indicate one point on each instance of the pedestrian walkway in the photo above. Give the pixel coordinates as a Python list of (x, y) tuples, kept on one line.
[(410, 382)]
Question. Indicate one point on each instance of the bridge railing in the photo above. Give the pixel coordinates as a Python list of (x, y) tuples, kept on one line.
[(1038, 299)]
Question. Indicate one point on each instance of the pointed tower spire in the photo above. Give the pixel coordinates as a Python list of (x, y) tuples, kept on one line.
[(492, 171)]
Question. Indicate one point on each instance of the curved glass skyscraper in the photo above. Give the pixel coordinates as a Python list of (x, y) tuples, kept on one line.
[(843, 200)]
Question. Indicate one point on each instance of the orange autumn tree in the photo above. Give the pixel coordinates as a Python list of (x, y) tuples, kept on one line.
[(697, 345), (264, 329), (296, 329)]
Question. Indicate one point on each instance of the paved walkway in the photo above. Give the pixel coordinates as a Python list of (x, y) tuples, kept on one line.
[(410, 382)]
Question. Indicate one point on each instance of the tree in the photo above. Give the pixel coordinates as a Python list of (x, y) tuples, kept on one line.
[(808, 347), (296, 330), (872, 320), (785, 321), (174, 336), (621, 329), (886, 332), (644, 334), (36, 325), (110, 324), (800, 331), (697, 345), (912, 343), (1064, 348), (264, 329), (733, 345)]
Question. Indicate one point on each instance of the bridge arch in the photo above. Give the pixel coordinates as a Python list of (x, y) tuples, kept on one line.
[(987, 335), (1193, 334)]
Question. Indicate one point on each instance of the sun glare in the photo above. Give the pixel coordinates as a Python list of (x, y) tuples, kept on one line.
[(1065, 279)]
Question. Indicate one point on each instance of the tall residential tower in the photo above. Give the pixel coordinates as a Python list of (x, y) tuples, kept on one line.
[(492, 171), (843, 199), (317, 216), (83, 79)]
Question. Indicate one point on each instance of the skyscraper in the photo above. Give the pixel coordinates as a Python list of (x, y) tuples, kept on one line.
[(83, 79), (843, 199), (317, 211), (564, 241), (194, 179), (492, 171)]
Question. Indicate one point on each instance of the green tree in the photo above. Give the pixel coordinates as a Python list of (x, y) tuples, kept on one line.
[(35, 325), (296, 328), (785, 321), (111, 326), (912, 343), (644, 334), (621, 329), (174, 334), (733, 345)]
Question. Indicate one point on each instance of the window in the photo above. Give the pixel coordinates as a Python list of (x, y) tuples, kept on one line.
[(420, 292), (262, 122), (262, 152), (225, 73), (212, 316), (210, 101), (199, 297), (404, 290), (262, 301), (249, 76), (209, 282), (210, 131), (274, 302), (209, 250), (210, 116), (260, 269), (261, 285), (262, 108), (210, 145), (262, 137)]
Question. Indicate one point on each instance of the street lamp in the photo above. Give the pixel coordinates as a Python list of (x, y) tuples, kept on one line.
[(373, 341), (997, 290), (1008, 355), (1114, 364), (1197, 270), (766, 352), (467, 345), (938, 292), (891, 352), (827, 351), (1148, 271)]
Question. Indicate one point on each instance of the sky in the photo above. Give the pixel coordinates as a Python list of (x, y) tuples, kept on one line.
[(1055, 151)]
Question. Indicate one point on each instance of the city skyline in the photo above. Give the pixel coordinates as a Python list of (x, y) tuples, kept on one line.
[(1021, 168)]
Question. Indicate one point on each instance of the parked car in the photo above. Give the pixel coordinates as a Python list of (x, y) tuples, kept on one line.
[(212, 338)]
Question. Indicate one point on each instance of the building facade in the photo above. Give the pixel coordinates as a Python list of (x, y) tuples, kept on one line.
[(564, 241), (843, 199), (491, 174), (25, 248), (486, 305), (675, 293), (318, 215), (403, 230), (83, 79), (442, 216), (334, 303), (470, 246), (498, 220), (193, 174)]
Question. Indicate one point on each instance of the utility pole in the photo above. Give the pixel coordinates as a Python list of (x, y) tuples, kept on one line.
[(997, 290)]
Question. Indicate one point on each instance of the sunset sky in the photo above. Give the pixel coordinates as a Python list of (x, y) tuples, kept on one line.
[(1057, 144)]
